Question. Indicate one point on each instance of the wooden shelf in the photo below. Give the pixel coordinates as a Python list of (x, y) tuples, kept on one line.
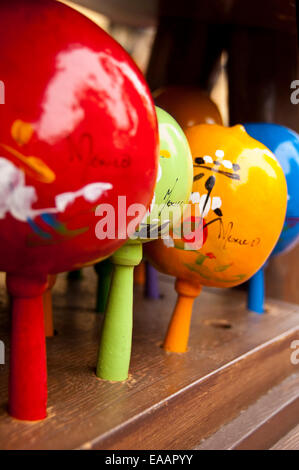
[(288, 442), (171, 401)]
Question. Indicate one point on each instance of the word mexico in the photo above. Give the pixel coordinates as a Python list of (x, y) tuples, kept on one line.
[(151, 459), (2, 92)]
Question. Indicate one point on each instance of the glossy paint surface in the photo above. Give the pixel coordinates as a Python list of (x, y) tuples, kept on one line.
[(78, 128), (189, 106), (174, 181), (284, 143), (239, 192)]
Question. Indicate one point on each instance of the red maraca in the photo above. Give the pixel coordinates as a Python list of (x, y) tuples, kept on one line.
[(78, 129)]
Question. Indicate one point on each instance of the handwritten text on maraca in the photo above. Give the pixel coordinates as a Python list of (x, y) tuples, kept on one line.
[(84, 149), (228, 237), (2, 92)]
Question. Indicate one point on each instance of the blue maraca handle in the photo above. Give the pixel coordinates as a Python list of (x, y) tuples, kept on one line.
[(256, 292)]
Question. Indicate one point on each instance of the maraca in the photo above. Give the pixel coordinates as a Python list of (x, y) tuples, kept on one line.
[(239, 192), (104, 268), (284, 143), (78, 129), (189, 106), (172, 190)]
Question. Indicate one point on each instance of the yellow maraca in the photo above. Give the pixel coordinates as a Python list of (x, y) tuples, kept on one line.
[(239, 199)]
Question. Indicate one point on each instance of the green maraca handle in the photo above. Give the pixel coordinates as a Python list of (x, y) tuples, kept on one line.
[(104, 271), (115, 346)]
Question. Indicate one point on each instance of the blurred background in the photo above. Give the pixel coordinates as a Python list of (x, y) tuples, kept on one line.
[(245, 54)]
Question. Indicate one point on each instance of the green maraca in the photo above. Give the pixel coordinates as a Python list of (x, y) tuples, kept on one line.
[(173, 188)]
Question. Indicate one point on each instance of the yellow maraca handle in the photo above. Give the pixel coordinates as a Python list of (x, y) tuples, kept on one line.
[(177, 336)]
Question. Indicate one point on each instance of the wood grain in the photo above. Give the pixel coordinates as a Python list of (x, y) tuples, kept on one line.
[(288, 442), (171, 401), (261, 424)]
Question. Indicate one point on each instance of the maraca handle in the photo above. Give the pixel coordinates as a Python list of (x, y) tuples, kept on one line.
[(104, 272), (75, 275), (28, 369), (151, 282), (139, 274), (115, 347), (256, 292), (48, 307), (177, 336)]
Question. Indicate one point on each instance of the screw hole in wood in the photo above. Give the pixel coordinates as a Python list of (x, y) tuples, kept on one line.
[(219, 323)]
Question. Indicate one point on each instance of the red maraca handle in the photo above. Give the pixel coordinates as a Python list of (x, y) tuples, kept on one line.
[(28, 369), (48, 309)]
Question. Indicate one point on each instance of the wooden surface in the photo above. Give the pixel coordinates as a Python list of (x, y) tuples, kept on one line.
[(263, 423), (282, 276), (288, 442), (171, 401)]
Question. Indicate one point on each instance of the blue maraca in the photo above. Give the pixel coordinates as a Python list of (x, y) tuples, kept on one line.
[(284, 143)]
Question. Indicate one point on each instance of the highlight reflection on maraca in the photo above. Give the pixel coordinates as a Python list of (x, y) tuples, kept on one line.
[(235, 179), (77, 117), (172, 190), (284, 143)]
